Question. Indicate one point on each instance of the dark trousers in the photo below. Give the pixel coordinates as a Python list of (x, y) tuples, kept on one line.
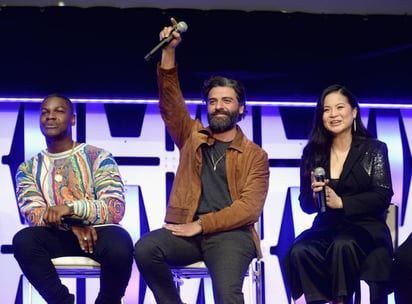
[(403, 272), (226, 254), (34, 247), (324, 265)]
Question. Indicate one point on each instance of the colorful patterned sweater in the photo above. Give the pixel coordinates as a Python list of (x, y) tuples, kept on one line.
[(86, 175)]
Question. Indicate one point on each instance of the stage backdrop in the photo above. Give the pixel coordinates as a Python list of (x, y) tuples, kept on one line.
[(98, 51), (135, 134)]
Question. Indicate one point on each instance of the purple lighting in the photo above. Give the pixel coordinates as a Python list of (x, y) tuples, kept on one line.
[(268, 103)]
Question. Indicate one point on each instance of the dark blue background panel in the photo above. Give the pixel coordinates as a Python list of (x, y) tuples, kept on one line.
[(98, 52)]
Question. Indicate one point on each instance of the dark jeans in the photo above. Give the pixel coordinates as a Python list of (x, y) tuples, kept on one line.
[(403, 272), (34, 247), (226, 254)]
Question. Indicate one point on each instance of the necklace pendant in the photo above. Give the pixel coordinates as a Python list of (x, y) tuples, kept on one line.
[(58, 178), (214, 167)]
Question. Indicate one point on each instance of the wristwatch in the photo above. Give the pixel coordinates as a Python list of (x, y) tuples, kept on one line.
[(199, 221), (71, 207)]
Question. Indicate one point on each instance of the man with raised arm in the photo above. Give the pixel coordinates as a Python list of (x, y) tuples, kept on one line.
[(218, 193)]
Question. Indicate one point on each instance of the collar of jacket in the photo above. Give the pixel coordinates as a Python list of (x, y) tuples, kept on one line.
[(357, 150), (237, 143)]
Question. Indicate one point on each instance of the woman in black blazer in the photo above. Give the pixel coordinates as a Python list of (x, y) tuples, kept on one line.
[(349, 239)]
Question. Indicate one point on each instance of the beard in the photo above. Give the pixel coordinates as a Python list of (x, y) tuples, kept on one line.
[(222, 124)]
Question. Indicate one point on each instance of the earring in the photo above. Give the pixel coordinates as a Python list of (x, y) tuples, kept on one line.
[(354, 125)]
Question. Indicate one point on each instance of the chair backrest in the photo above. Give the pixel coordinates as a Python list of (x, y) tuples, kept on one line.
[(392, 222)]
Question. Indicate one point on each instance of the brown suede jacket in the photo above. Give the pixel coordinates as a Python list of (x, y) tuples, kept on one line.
[(247, 167)]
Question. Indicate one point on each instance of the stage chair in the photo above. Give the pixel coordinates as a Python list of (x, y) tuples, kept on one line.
[(393, 224), (77, 267), (199, 270)]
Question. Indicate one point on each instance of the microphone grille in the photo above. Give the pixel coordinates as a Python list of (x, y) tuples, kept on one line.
[(319, 171), (181, 27)]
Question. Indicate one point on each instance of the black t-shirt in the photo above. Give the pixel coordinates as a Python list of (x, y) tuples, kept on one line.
[(215, 191)]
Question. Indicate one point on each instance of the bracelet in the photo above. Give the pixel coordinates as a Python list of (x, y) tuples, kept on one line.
[(71, 207)]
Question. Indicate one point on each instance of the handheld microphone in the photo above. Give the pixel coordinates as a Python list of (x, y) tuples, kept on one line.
[(320, 177), (181, 27), (75, 221)]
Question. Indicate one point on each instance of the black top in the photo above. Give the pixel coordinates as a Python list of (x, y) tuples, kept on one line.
[(215, 191)]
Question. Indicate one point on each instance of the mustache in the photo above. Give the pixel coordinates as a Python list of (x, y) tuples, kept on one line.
[(217, 112)]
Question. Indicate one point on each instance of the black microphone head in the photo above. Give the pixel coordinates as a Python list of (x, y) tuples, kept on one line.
[(181, 27), (319, 171)]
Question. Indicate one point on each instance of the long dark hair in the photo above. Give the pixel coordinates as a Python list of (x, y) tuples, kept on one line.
[(316, 152)]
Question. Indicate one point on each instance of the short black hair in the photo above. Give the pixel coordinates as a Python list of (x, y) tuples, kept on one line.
[(67, 99)]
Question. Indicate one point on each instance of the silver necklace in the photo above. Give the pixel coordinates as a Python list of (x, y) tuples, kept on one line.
[(58, 177), (218, 160)]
